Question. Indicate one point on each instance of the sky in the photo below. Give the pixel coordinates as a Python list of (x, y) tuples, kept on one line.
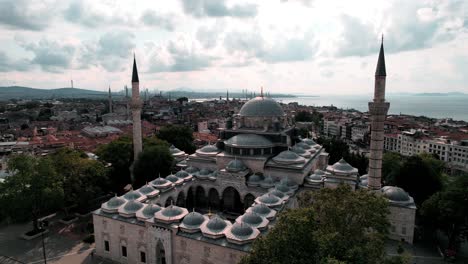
[(303, 47)]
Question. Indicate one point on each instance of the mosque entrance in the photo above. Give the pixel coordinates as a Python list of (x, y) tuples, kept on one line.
[(160, 253)]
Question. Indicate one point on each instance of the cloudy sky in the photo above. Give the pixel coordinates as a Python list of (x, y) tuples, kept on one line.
[(293, 46)]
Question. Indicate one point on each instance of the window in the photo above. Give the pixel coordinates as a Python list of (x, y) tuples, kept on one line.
[(124, 251), (403, 230), (106, 245), (393, 229), (142, 257)]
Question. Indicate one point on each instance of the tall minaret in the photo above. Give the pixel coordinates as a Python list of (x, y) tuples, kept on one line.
[(127, 104), (378, 111), (110, 100), (136, 112)]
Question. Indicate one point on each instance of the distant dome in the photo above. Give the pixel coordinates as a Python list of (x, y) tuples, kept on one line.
[(343, 166), (241, 230), (208, 150), (150, 210), (132, 195), (309, 141), (159, 181), (182, 174), (267, 182), (193, 220), (261, 107), (255, 178), (269, 199), (248, 140), (172, 178), (236, 166), (216, 224), (132, 206), (252, 219), (283, 188), (288, 157), (175, 151), (289, 183), (205, 172), (147, 189), (115, 202), (395, 194), (278, 193), (191, 170), (261, 209), (301, 152), (303, 145), (172, 211)]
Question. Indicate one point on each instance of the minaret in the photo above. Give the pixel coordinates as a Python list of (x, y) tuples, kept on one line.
[(227, 95), (136, 112), (110, 100), (378, 113), (127, 106)]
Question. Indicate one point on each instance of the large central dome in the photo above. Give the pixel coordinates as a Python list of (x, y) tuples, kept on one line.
[(261, 106)]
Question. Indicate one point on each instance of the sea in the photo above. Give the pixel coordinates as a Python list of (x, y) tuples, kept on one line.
[(434, 106)]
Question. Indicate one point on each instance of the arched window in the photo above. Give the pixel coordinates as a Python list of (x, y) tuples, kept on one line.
[(248, 200), (231, 201), (200, 197), (213, 199), (169, 201), (181, 199), (160, 253)]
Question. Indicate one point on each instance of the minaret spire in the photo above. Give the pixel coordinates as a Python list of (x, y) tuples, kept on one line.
[(378, 109), (136, 114), (110, 100), (261, 92)]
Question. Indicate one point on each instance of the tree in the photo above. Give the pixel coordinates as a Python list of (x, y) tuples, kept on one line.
[(352, 224), (83, 179), (119, 153), (153, 161), (33, 189), (447, 211), (391, 166), (338, 149), (304, 116), (290, 241), (179, 136), (418, 178)]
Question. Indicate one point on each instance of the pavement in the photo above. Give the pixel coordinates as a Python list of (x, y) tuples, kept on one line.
[(63, 245)]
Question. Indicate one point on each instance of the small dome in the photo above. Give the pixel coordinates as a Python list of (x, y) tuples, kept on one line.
[(303, 145), (288, 182), (216, 224), (182, 174), (261, 107), (241, 230), (252, 219), (191, 170), (235, 166), (193, 220), (209, 150), (288, 157), (159, 181), (205, 172), (268, 199), (343, 166), (301, 152), (255, 178), (150, 210), (132, 206), (277, 193), (267, 182), (175, 151), (395, 194), (309, 142), (115, 202), (172, 211), (283, 188), (261, 209), (147, 189), (172, 178), (132, 195), (249, 140)]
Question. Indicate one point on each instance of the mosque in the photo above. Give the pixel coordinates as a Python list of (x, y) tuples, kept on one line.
[(226, 195)]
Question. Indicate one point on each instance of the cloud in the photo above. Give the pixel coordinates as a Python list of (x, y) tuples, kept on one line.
[(304, 2), (251, 44), (409, 25), (152, 18), (84, 14), (25, 14), (51, 56), (8, 65), (179, 57), (111, 51), (209, 37), (218, 8)]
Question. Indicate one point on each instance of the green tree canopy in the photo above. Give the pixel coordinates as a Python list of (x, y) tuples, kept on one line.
[(119, 153), (304, 116), (338, 149), (447, 211), (153, 161), (179, 136), (33, 190), (331, 226)]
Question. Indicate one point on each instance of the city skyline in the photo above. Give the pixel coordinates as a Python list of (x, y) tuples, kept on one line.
[(305, 47)]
